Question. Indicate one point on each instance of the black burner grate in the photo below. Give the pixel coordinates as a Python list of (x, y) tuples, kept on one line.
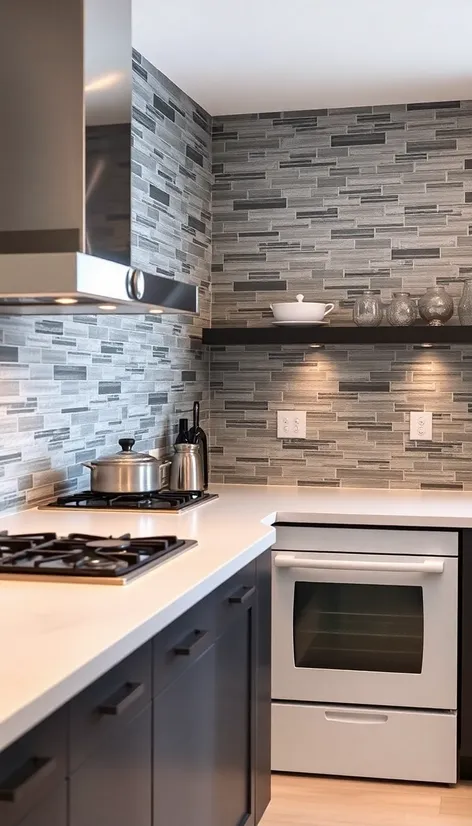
[(162, 501), (13, 545), (81, 554)]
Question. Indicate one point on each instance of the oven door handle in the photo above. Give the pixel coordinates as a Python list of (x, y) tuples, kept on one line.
[(428, 566)]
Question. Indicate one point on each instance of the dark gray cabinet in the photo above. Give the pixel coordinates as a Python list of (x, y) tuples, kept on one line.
[(110, 746), (183, 732), (234, 793), (243, 696), (113, 786), (204, 718), (31, 771), (177, 733), (263, 688), (105, 706), (52, 811), (206, 715)]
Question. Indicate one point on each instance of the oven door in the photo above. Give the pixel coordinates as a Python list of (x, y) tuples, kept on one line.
[(365, 629)]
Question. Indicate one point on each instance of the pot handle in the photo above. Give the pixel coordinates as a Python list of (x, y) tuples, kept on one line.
[(126, 444), (328, 309)]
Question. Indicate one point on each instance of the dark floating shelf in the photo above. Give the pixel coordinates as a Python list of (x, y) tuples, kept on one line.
[(419, 334)]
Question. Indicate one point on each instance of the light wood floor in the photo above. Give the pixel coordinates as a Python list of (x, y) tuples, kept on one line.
[(320, 801)]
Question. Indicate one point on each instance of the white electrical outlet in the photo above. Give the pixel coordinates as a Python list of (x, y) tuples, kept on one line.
[(421, 427), (291, 424)]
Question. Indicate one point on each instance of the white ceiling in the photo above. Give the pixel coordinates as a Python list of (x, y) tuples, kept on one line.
[(264, 55)]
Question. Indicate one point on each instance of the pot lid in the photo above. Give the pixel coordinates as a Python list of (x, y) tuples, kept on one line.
[(126, 454)]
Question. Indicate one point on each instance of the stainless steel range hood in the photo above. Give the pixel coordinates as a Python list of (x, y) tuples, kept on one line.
[(67, 231)]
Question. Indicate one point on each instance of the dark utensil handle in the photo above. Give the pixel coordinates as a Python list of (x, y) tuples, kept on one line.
[(121, 699), (204, 453), (196, 415), (242, 595), (126, 444), (191, 645), (26, 778)]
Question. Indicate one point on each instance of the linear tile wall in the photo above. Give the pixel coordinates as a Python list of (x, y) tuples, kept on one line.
[(71, 386), (328, 203)]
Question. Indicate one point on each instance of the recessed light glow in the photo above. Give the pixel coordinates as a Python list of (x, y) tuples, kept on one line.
[(156, 311), (107, 306), (66, 300), (104, 82)]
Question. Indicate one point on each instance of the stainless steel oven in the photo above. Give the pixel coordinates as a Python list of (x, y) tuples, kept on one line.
[(365, 631)]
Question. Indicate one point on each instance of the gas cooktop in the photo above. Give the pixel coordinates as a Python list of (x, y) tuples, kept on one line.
[(81, 557), (162, 501)]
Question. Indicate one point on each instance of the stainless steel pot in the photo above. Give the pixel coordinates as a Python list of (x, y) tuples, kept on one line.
[(186, 470), (124, 472)]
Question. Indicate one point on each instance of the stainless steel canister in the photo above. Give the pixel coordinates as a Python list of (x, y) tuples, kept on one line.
[(186, 470)]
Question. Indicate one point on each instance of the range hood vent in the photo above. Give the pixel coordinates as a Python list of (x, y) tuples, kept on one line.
[(66, 224)]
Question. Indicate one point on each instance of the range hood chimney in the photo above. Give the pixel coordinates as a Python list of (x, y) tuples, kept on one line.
[(67, 235)]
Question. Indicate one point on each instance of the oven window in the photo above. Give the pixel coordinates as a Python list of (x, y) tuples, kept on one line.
[(358, 627)]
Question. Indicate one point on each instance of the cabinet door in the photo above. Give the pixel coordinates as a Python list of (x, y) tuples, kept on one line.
[(32, 768), (183, 748), (263, 684), (108, 704), (52, 811), (113, 786), (234, 799), (465, 732)]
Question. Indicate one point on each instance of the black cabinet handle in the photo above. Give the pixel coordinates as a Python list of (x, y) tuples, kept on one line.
[(26, 778), (122, 699), (242, 595), (191, 645)]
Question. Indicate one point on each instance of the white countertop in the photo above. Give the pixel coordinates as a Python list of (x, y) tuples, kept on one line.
[(59, 637)]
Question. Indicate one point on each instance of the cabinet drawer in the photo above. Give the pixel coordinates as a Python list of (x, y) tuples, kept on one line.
[(364, 742), (52, 811), (180, 644), (234, 596), (113, 787), (109, 702), (31, 768)]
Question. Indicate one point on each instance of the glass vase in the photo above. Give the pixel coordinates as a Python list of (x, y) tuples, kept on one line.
[(436, 306), (465, 304), (368, 310), (402, 311)]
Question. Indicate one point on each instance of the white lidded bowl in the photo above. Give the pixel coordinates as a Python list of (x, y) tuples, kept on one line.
[(301, 310)]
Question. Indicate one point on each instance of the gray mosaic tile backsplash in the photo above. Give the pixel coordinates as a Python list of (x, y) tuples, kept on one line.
[(328, 203), (71, 386)]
